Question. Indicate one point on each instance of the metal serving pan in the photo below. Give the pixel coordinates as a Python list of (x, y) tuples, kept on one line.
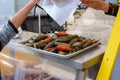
[(67, 56)]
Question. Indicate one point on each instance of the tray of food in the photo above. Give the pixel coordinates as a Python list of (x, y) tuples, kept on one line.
[(60, 44)]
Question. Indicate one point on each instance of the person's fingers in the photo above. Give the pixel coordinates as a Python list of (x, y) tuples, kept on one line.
[(34, 1), (89, 5), (86, 1)]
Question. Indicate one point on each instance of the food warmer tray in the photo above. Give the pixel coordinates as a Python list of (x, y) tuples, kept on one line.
[(58, 55)]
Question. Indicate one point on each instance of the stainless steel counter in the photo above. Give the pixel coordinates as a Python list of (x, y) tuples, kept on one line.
[(80, 62)]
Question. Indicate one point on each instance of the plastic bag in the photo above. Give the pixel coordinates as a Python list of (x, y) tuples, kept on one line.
[(95, 17), (9, 67), (93, 24), (65, 8), (13, 69)]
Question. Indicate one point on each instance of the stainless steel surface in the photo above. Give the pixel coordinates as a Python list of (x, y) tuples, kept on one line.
[(82, 61), (55, 54), (59, 55), (80, 75)]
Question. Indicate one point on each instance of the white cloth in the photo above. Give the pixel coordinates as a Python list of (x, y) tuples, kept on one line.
[(59, 10)]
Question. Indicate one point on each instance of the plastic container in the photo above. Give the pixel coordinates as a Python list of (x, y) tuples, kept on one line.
[(9, 67), (14, 69)]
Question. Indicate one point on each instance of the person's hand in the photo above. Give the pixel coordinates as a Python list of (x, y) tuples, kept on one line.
[(34, 1), (96, 4)]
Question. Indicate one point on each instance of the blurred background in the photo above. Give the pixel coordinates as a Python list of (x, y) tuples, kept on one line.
[(10, 7)]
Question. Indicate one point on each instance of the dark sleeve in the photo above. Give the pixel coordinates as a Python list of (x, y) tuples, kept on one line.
[(0, 75), (6, 33), (0, 45), (9, 22), (113, 9)]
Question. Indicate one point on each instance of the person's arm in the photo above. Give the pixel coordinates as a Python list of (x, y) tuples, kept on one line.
[(6, 33), (10, 28), (113, 9), (108, 8), (21, 15)]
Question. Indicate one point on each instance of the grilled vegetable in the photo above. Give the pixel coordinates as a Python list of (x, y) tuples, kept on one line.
[(94, 41), (63, 39), (85, 40), (39, 45), (36, 45), (29, 44), (61, 52), (54, 50), (77, 44), (64, 44), (49, 49), (31, 41), (81, 38), (87, 44), (40, 37), (73, 41), (75, 36), (77, 48), (72, 36), (47, 40), (63, 48), (59, 34), (54, 37), (50, 44), (59, 43)]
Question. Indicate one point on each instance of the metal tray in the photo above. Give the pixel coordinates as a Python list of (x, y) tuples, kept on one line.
[(58, 55)]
